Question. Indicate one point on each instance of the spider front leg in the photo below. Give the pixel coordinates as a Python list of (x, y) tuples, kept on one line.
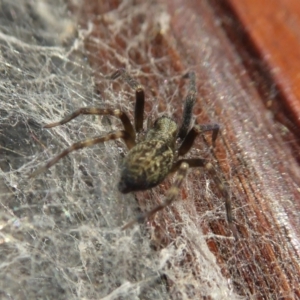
[(139, 97)]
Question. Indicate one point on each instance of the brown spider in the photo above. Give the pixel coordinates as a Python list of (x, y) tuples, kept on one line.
[(152, 158)]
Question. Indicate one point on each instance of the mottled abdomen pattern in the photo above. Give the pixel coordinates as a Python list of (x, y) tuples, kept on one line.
[(145, 166)]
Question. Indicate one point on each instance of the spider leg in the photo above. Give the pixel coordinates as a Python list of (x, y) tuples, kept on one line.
[(82, 144), (181, 166), (200, 162), (192, 162), (139, 96), (99, 111), (188, 106), (171, 196), (192, 134)]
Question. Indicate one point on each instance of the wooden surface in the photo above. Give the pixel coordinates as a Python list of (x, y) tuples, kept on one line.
[(245, 55), (273, 28)]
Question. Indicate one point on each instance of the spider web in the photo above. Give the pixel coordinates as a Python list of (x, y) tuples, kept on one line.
[(60, 232)]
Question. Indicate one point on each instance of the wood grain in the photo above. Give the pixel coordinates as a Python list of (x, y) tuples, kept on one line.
[(273, 28), (247, 80)]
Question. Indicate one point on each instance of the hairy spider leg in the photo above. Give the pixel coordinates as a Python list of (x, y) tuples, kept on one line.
[(192, 162), (101, 112), (194, 132), (139, 96), (128, 135), (224, 190), (188, 106), (82, 144), (181, 166), (186, 146)]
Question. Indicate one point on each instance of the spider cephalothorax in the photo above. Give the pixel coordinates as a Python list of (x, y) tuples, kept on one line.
[(152, 158)]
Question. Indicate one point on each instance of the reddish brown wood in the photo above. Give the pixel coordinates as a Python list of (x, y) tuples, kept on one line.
[(252, 153), (273, 27)]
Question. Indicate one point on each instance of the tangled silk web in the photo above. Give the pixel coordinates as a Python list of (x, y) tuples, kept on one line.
[(60, 232)]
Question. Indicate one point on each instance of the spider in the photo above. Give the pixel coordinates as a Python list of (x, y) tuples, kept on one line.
[(154, 155)]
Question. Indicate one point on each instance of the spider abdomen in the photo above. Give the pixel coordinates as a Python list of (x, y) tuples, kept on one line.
[(146, 165)]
